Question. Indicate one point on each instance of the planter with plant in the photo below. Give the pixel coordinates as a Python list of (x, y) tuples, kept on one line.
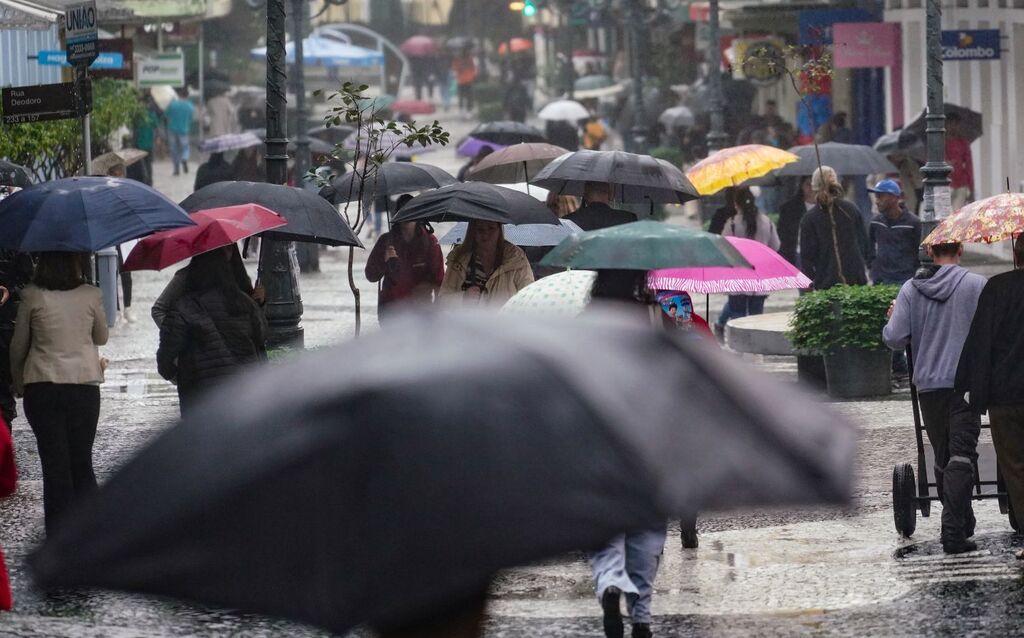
[(844, 325)]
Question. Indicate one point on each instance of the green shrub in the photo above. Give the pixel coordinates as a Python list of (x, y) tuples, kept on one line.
[(841, 317), (490, 112)]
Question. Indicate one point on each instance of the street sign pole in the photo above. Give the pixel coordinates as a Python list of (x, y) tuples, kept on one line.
[(80, 36), (81, 77)]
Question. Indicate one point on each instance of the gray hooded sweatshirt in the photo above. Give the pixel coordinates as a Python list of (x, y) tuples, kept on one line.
[(934, 315)]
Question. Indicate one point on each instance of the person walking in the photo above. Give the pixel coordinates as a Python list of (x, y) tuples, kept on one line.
[(212, 331), (177, 287), (893, 237), (485, 268), (179, 116), (748, 222), (991, 370), (933, 313), (221, 116), (833, 241), (8, 483), (596, 213), (958, 155), (216, 169), (15, 273), (791, 213), (146, 126), (517, 102), (56, 367), (594, 133), (464, 67)]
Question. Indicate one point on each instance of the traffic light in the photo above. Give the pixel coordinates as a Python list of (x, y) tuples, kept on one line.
[(529, 8)]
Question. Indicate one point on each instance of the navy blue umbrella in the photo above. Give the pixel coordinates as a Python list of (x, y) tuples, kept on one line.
[(85, 214)]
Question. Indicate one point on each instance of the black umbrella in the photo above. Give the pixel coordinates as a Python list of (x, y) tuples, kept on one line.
[(466, 201), (847, 159), (332, 135), (12, 174), (374, 493), (900, 144), (390, 178), (316, 146), (310, 218), (507, 132), (634, 178), (970, 122)]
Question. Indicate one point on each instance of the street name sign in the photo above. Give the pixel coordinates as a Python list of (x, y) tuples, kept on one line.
[(104, 60), (970, 45), (80, 33), (24, 104)]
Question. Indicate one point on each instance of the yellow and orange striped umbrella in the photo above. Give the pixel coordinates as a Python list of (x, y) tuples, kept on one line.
[(982, 222), (735, 165)]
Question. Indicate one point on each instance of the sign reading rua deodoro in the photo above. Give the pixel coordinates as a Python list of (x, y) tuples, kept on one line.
[(23, 104)]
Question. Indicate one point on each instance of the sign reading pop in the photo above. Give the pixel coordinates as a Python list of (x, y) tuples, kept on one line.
[(161, 69), (982, 44)]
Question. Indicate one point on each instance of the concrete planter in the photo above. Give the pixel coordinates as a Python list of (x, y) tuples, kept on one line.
[(853, 373)]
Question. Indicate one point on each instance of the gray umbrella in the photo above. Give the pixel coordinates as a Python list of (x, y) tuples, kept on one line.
[(634, 178), (515, 164), (903, 143), (446, 448), (389, 179), (12, 174), (847, 159), (465, 201)]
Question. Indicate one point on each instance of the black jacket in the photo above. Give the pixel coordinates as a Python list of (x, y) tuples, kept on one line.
[(791, 213), (595, 216), (208, 335), (211, 172), (817, 255), (892, 247), (992, 362)]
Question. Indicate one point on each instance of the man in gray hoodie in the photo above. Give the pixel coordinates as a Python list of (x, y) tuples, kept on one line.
[(933, 313)]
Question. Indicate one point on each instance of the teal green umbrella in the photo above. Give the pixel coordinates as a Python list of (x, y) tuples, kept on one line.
[(644, 245)]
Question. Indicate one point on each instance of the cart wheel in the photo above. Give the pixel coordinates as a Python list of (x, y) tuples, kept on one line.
[(688, 532), (904, 499), (1009, 514)]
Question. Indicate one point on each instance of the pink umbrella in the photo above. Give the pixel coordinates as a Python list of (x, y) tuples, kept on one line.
[(420, 46), (770, 273), (413, 107)]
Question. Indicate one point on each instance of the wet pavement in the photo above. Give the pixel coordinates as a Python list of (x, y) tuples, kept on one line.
[(809, 572)]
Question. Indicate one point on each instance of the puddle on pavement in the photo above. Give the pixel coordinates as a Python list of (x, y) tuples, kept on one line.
[(137, 383)]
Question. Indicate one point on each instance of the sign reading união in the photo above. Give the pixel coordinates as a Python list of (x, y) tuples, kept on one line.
[(80, 33), (980, 44)]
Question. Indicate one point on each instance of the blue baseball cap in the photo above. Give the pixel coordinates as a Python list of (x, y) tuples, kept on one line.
[(887, 186)]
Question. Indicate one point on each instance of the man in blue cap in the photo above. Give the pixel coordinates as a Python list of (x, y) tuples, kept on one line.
[(893, 237)]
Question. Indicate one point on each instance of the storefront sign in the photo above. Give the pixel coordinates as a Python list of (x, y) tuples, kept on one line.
[(162, 69), (970, 45), (865, 45), (103, 60), (816, 24)]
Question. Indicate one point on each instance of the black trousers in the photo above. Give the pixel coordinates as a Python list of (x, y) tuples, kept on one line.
[(1007, 423), (953, 431), (8, 406), (63, 417)]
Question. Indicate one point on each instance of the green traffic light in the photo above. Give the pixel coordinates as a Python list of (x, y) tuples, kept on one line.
[(529, 9)]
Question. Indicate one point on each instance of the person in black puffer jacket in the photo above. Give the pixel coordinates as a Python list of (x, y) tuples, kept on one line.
[(212, 331)]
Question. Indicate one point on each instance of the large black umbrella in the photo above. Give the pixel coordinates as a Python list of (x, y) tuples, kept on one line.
[(900, 144), (12, 174), (466, 201), (507, 132), (375, 492), (847, 159), (390, 179), (332, 134), (634, 178), (310, 217), (970, 122)]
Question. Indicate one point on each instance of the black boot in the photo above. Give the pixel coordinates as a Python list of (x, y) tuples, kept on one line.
[(184, 167), (613, 627), (176, 169), (959, 547), (642, 630)]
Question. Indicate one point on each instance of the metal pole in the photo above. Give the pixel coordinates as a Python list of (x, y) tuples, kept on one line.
[(568, 70), (278, 268), (309, 254), (638, 135), (937, 205), (202, 83), (717, 139), (81, 77)]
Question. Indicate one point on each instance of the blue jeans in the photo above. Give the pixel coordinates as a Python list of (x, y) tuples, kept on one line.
[(179, 147), (630, 562), (741, 306)]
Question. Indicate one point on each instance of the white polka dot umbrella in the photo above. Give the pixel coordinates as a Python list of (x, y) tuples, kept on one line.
[(564, 294)]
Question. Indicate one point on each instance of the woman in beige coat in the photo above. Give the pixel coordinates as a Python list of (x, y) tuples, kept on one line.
[(485, 268), (56, 367)]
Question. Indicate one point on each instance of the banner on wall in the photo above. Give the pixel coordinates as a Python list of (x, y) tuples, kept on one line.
[(865, 45)]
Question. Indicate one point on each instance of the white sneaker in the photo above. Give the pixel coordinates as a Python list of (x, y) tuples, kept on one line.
[(128, 316)]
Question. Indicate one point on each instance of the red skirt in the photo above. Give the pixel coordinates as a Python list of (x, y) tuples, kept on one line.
[(5, 586)]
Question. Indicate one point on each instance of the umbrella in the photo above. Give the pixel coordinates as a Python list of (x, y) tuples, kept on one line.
[(214, 228), (387, 141), (900, 144), (310, 217), (163, 95), (327, 52), (770, 273), (333, 134), (342, 495), (506, 132), (522, 234), (230, 142), (470, 146), (413, 107), (85, 214), (389, 179), (316, 146), (475, 200), (645, 245), (517, 45), (12, 174), (985, 221), (420, 46), (847, 159), (970, 122), (735, 165), (634, 178), (564, 110), (125, 157), (515, 164), (561, 294), (459, 42), (676, 117)]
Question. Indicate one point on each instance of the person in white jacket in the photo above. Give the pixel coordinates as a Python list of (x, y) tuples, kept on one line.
[(750, 223)]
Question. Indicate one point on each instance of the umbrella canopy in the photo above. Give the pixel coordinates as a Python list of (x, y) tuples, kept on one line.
[(475, 200), (677, 117), (85, 214), (515, 164), (333, 134), (214, 229), (564, 294), (522, 234), (770, 273), (847, 159), (900, 144), (413, 107), (634, 178), (310, 217), (230, 142), (470, 146), (735, 165), (12, 174), (970, 122), (565, 111), (645, 245), (390, 179), (982, 222), (341, 495), (517, 45), (420, 46), (387, 141), (327, 52), (506, 132), (316, 146)]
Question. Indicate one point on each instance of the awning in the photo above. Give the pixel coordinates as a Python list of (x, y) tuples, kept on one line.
[(41, 15)]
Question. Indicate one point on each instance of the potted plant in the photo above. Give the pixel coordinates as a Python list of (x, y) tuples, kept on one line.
[(844, 325)]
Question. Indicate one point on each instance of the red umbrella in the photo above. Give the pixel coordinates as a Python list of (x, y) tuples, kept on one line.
[(215, 227), (420, 46), (413, 107), (518, 45)]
